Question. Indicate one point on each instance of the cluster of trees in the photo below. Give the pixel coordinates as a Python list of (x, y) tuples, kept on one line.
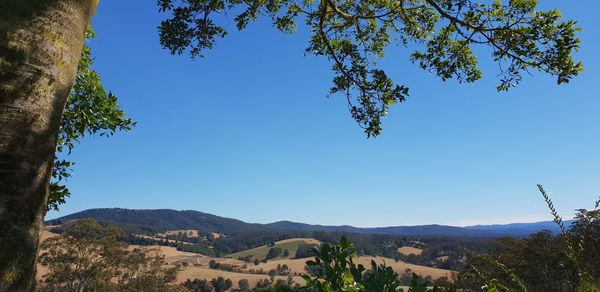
[(276, 252), (202, 285), (304, 251), (280, 270), (544, 262), (454, 251), (87, 256), (225, 267), (220, 284)]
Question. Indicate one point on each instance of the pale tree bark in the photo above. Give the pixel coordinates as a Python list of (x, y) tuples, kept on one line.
[(40, 47)]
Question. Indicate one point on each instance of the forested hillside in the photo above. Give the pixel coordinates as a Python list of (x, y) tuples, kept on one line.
[(165, 219)]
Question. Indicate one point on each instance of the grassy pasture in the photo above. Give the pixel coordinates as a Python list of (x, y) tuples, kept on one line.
[(408, 250), (261, 252)]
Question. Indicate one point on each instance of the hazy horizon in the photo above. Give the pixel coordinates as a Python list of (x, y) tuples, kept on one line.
[(473, 222)]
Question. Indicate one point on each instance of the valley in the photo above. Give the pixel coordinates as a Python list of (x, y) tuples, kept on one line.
[(205, 246), (259, 263)]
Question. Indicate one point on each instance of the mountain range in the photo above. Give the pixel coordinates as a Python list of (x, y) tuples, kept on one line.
[(166, 219)]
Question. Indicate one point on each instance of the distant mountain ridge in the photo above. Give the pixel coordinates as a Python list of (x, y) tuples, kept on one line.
[(164, 219), (521, 229), (167, 219)]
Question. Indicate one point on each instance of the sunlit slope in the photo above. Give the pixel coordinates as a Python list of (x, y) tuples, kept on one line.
[(261, 252)]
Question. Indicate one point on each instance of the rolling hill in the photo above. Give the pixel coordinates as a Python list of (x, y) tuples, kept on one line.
[(160, 220), (261, 252)]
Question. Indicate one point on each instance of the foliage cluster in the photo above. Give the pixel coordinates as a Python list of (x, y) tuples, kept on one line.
[(218, 284), (305, 251), (544, 262), (274, 252), (221, 284), (333, 269), (87, 256), (354, 35), (89, 111)]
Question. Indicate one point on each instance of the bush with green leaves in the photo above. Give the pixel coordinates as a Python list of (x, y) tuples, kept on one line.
[(333, 269), (569, 261), (274, 252)]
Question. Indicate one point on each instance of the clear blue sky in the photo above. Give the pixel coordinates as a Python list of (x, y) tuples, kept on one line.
[(248, 133)]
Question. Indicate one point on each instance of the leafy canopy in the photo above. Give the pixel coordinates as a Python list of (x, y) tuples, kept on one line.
[(89, 111), (354, 35)]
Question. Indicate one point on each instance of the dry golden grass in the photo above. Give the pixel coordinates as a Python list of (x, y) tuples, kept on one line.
[(408, 250), (304, 239), (171, 254), (296, 266), (45, 234), (401, 267)]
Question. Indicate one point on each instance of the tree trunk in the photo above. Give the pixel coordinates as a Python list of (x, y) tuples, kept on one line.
[(40, 47)]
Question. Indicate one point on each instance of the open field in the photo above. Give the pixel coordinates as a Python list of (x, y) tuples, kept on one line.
[(408, 250), (290, 244), (171, 253)]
